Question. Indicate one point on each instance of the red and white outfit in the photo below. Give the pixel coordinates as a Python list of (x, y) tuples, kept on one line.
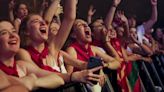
[(38, 58), (84, 55)]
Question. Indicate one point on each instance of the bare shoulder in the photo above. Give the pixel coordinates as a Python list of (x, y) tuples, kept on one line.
[(26, 65), (22, 63), (94, 48), (70, 49), (23, 55), (22, 52)]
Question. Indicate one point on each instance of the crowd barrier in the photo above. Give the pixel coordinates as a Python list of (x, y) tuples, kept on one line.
[(151, 74)]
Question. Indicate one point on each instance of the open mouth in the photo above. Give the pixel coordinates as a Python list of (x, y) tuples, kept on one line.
[(13, 42), (87, 33), (43, 31)]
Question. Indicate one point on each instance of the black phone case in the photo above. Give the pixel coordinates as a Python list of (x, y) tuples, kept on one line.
[(94, 62)]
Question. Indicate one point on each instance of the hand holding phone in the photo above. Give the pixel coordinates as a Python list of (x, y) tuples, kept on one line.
[(94, 62)]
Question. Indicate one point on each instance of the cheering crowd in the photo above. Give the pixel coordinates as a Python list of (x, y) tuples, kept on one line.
[(52, 49)]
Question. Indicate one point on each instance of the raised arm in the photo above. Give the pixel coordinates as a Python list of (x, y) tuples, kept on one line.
[(148, 25), (111, 12), (43, 7), (51, 11), (106, 40), (66, 25), (91, 12), (11, 10)]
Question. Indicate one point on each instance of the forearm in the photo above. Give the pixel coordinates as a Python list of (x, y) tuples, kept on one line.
[(4, 82), (152, 20), (77, 63), (133, 57), (126, 26), (111, 50), (74, 62), (51, 11), (50, 81), (146, 49), (110, 16), (70, 9), (69, 69), (65, 76), (11, 16), (66, 25), (89, 19), (154, 13)]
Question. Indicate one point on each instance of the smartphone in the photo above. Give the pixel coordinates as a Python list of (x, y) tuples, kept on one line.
[(94, 62)]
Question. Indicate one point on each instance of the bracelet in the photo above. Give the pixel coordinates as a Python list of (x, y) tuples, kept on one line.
[(71, 77)]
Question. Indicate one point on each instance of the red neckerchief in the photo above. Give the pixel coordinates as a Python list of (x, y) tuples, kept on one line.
[(97, 43), (9, 70), (38, 57), (116, 43), (117, 46), (82, 53)]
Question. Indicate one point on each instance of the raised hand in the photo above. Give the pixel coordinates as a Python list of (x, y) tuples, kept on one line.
[(91, 10), (122, 16), (11, 4), (134, 39), (154, 2), (59, 10), (116, 2), (44, 4), (106, 35)]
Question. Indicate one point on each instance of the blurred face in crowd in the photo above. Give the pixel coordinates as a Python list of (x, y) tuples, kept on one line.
[(133, 32), (112, 33), (82, 31), (98, 28), (22, 10), (9, 39), (120, 31), (132, 22), (54, 28), (37, 29), (159, 33)]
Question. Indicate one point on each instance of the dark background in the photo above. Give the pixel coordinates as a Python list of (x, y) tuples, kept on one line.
[(141, 8)]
